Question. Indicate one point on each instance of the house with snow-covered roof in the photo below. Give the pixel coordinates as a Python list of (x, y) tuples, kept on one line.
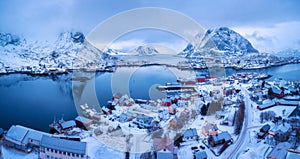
[(23, 138), (280, 151), (190, 135), (63, 149)]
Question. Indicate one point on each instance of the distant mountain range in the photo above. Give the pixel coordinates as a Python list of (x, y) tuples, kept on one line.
[(66, 53), (72, 51), (145, 51)]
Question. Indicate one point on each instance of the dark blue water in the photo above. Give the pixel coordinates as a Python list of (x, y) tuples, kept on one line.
[(35, 101)]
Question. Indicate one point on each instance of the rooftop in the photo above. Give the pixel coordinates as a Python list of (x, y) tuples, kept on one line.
[(22, 134), (82, 119), (17, 132), (201, 155), (64, 145), (190, 132), (224, 135), (280, 151), (68, 124)]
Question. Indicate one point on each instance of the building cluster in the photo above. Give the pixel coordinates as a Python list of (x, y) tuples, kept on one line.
[(278, 103), (175, 122), (47, 145)]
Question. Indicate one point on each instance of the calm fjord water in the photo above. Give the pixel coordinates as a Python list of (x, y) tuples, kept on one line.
[(35, 101)]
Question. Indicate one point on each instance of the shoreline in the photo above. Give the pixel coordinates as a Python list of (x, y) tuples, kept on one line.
[(67, 71)]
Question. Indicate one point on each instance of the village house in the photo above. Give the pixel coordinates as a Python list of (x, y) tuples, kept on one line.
[(190, 135), (230, 117), (288, 103), (229, 90), (210, 129), (143, 122), (67, 125), (277, 92), (23, 138), (201, 78), (281, 132), (163, 114), (83, 121), (63, 149), (280, 151), (220, 138), (164, 148), (266, 105), (263, 131)]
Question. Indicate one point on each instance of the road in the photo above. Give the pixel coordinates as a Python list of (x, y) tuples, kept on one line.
[(244, 133)]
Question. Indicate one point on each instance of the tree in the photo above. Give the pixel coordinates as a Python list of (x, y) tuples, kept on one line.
[(239, 119), (203, 110), (267, 116), (263, 84), (270, 93)]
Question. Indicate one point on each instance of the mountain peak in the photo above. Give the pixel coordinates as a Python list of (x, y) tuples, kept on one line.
[(8, 38), (76, 37), (145, 50), (230, 41), (227, 41)]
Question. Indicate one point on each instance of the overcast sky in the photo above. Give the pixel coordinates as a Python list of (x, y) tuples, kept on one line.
[(271, 25)]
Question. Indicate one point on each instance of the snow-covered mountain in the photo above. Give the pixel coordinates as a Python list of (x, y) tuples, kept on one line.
[(223, 40), (69, 51), (233, 50), (145, 51), (7, 38)]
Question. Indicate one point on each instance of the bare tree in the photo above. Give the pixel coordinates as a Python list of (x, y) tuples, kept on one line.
[(239, 118)]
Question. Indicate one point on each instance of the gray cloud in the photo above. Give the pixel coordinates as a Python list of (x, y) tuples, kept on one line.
[(45, 19), (257, 36)]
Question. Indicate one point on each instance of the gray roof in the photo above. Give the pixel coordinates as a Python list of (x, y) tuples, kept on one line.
[(17, 132), (68, 124), (224, 135), (269, 104), (64, 145), (276, 90), (164, 155), (22, 134), (286, 102), (190, 132), (201, 155), (284, 127), (35, 135), (83, 119), (280, 151)]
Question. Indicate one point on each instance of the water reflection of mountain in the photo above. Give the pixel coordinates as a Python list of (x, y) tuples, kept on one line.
[(63, 82)]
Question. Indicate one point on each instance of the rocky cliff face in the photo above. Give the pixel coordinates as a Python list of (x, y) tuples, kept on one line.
[(223, 39)]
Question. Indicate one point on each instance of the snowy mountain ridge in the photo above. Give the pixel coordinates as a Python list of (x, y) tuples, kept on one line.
[(226, 41), (71, 51), (145, 51), (39, 57), (7, 38)]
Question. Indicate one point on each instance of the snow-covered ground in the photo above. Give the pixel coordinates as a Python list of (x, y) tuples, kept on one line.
[(9, 153), (96, 150)]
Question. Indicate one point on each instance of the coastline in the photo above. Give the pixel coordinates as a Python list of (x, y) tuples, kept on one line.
[(112, 69)]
